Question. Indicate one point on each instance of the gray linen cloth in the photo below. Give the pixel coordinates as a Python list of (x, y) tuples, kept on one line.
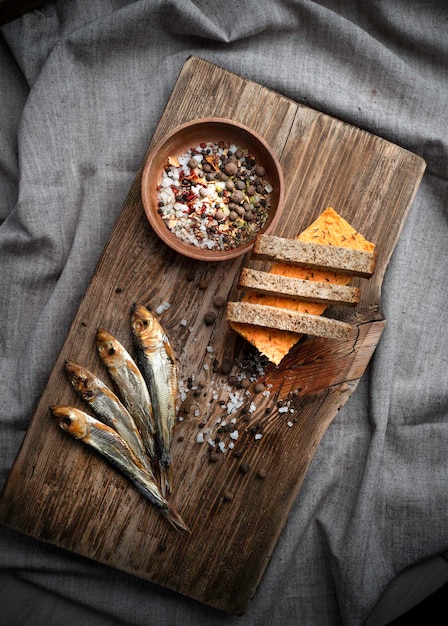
[(83, 85)]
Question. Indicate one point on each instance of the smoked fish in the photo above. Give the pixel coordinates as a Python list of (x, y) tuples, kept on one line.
[(106, 442), (157, 363), (108, 408), (130, 385)]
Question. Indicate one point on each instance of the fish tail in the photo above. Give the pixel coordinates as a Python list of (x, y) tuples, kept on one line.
[(165, 479), (176, 521)]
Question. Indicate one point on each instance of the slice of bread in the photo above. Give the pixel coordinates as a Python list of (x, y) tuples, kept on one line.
[(270, 284), (315, 255), (285, 319), (328, 229)]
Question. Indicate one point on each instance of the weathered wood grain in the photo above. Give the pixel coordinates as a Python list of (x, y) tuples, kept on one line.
[(236, 503)]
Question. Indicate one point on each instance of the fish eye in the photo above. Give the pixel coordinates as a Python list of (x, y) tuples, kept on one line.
[(111, 351), (66, 423)]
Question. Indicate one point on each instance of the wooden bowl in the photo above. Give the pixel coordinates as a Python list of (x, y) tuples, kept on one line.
[(189, 135)]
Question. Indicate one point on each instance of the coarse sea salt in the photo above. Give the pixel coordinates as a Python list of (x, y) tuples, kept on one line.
[(162, 307), (235, 402)]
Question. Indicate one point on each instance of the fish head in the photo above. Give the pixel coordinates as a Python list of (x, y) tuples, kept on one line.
[(71, 420), (81, 380), (145, 326), (108, 347)]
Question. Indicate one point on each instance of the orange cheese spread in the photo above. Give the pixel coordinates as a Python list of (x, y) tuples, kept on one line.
[(329, 229)]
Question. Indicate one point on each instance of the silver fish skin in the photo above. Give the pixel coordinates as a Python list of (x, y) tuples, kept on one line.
[(108, 409), (106, 442), (131, 387), (157, 363)]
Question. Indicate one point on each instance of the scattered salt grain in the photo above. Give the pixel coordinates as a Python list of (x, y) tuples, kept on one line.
[(235, 402), (200, 438), (258, 436), (290, 424), (234, 435), (283, 409), (162, 307)]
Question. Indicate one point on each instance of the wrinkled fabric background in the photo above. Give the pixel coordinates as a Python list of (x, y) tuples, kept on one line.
[(83, 85)]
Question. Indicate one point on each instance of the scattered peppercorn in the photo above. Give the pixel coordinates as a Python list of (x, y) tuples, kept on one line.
[(209, 317), (219, 301)]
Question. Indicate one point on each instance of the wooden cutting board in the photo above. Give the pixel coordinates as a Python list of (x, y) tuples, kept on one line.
[(235, 502)]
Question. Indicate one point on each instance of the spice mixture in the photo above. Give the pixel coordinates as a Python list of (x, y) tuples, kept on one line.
[(214, 196)]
